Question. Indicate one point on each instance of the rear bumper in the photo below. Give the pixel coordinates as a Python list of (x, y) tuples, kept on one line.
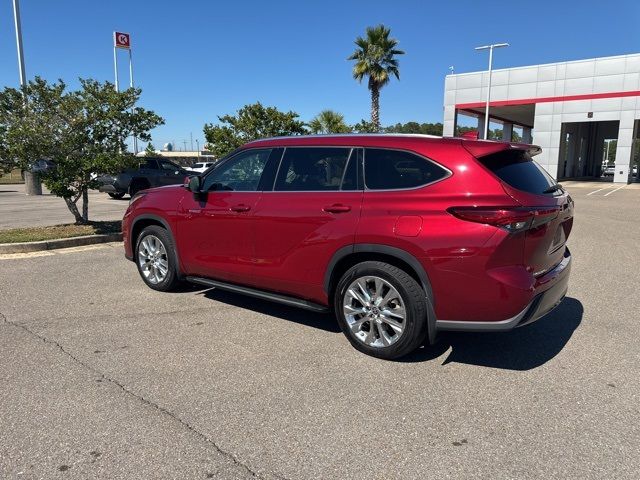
[(541, 304)]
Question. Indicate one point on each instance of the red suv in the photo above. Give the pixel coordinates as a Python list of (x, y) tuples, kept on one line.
[(401, 236)]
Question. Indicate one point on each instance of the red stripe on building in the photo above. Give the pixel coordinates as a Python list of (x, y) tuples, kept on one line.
[(566, 98)]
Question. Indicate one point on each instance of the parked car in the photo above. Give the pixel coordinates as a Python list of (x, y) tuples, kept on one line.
[(609, 171), (401, 236), (200, 167), (42, 166), (152, 172)]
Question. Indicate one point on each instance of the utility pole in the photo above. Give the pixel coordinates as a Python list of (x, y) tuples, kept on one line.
[(486, 110)]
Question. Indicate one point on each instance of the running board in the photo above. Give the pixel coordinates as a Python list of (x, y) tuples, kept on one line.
[(272, 297)]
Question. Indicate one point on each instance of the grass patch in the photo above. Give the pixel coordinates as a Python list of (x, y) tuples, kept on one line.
[(36, 234)]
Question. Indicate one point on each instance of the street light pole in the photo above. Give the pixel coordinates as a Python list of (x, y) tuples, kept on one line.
[(16, 18), (486, 110), (32, 183)]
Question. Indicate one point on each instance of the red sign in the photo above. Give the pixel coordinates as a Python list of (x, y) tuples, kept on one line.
[(121, 40)]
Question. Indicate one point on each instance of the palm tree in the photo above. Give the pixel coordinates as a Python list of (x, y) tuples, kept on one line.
[(328, 121), (374, 58)]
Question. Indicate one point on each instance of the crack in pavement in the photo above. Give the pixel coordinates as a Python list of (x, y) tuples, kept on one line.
[(141, 398)]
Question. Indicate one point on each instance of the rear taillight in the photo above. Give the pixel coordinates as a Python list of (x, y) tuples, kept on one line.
[(511, 219)]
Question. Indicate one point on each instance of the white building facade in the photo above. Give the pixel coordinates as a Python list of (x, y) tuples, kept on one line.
[(573, 110)]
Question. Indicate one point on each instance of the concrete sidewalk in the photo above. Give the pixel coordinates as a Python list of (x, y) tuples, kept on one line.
[(19, 210)]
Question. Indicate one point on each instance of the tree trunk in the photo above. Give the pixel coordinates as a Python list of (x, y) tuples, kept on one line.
[(85, 205), (375, 105), (32, 183), (73, 208)]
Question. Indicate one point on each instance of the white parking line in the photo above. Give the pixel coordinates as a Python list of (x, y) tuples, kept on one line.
[(599, 190), (612, 191)]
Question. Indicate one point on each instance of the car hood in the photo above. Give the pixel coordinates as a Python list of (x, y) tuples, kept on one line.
[(165, 189)]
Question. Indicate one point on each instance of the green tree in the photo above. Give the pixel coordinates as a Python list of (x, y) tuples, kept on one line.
[(150, 151), (364, 126), (515, 136), (612, 147), (329, 121), (462, 130), (26, 121), (83, 132), (250, 123), (495, 134), (375, 59), (415, 127)]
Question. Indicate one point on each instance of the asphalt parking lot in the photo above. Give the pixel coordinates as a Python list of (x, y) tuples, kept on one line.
[(101, 377), (19, 210)]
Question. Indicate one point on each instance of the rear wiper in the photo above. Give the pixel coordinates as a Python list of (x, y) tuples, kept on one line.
[(553, 188)]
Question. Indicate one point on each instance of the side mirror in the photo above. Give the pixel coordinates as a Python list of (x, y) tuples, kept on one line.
[(195, 184)]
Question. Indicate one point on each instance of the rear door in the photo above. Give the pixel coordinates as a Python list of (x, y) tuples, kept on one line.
[(312, 212), (529, 184)]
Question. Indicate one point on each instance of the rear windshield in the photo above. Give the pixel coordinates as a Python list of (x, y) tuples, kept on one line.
[(198, 165), (516, 168)]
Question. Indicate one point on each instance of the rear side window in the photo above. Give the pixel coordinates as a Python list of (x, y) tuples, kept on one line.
[(396, 169), (150, 164), (517, 169), (312, 169)]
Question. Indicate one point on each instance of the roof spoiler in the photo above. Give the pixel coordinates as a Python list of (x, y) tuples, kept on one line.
[(484, 148)]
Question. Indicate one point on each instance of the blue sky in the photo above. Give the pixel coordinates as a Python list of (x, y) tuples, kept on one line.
[(197, 59)]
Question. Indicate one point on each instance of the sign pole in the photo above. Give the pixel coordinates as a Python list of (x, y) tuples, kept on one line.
[(115, 60), (135, 140)]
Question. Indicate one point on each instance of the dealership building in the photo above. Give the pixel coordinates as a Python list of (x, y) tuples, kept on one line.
[(579, 112)]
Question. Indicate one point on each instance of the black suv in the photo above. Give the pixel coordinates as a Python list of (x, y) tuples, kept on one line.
[(152, 172)]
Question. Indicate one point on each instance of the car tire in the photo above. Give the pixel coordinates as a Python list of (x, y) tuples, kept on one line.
[(156, 259), (116, 196), (381, 309)]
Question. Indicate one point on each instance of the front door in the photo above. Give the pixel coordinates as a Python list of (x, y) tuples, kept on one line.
[(215, 232), (312, 212)]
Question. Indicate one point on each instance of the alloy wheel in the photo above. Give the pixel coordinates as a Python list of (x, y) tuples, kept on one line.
[(374, 311), (153, 260)]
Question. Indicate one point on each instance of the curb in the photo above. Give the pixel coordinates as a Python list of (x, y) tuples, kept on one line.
[(27, 247)]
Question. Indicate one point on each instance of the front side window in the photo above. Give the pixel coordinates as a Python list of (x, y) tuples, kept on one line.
[(312, 169), (396, 169), (165, 165), (240, 173)]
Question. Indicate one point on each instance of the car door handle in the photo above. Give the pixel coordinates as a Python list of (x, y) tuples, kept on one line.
[(337, 208), (240, 208)]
